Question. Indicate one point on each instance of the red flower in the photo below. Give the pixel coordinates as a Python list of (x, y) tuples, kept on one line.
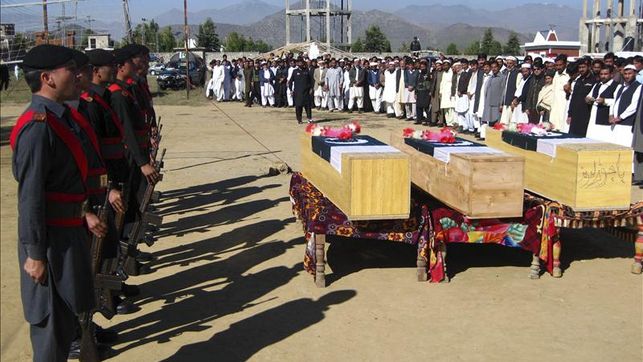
[(499, 126), (310, 127), (407, 132)]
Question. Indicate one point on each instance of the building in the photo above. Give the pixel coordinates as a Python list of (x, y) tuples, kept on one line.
[(56, 38), (620, 30), (99, 41), (546, 44)]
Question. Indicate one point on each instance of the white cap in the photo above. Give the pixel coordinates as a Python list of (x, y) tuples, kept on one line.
[(630, 66), (391, 63), (446, 61), (373, 64), (438, 61), (526, 65), (511, 57)]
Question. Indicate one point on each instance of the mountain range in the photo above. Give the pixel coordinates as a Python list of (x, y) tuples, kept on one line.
[(436, 25)]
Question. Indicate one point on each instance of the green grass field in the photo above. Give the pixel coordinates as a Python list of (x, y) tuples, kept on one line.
[(18, 93)]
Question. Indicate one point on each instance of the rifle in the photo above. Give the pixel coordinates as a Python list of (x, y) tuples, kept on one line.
[(104, 284), (128, 250)]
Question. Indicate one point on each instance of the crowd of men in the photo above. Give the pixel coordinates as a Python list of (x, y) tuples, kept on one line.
[(85, 161), (594, 98)]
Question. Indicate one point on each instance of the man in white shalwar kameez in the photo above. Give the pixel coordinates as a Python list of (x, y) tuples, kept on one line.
[(558, 113), (602, 98), (289, 96), (390, 90), (239, 84), (346, 87), (320, 86), (217, 78), (623, 113), (518, 114), (447, 103)]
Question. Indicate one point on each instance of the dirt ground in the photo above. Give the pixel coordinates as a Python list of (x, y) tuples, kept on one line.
[(228, 283)]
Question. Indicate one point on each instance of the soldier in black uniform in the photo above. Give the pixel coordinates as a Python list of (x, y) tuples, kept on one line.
[(94, 106), (51, 169), (302, 86), (136, 131)]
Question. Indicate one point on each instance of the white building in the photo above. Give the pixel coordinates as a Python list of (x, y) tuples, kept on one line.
[(98, 41), (546, 44)]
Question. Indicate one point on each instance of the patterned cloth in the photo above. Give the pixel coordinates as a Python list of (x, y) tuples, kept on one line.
[(449, 226), (432, 225), (320, 216)]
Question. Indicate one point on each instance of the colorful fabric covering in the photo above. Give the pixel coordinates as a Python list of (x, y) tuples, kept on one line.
[(565, 216), (320, 216), (449, 226)]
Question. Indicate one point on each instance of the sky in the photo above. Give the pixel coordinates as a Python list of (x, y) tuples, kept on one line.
[(111, 10), (358, 4)]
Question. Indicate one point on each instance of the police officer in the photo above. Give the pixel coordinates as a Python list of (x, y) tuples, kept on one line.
[(51, 169), (136, 134), (108, 130)]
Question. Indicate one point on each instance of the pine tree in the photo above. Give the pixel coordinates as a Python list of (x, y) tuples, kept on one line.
[(513, 45), (376, 41), (358, 45), (452, 49), (207, 36)]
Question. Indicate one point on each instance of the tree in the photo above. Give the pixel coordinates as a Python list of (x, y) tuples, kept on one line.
[(473, 49), (489, 45), (236, 42), (452, 49), (358, 45), (513, 45), (207, 36), (404, 48), (375, 40), (167, 41)]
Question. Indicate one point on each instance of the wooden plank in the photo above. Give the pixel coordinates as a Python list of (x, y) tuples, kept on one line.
[(477, 185), (584, 176)]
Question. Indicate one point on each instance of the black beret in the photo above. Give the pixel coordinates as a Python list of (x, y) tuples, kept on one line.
[(100, 57), (47, 56), (121, 55), (137, 49), (80, 58)]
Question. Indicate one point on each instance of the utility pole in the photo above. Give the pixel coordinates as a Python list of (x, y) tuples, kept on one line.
[(186, 34), (45, 21), (63, 19), (89, 22), (143, 32), (128, 24)]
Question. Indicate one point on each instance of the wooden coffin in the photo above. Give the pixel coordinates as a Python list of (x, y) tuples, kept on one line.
[(477, 185), (370, 186), (584, 176)]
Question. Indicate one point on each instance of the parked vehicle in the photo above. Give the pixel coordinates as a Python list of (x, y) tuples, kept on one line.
[(156, 69), (171, 79)]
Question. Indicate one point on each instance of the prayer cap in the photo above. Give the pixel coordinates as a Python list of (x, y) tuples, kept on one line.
[(526, 65), (630, 66), (511, 57)]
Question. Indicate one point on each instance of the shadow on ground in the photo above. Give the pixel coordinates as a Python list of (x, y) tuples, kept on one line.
[(346, 256), (216, 286)]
